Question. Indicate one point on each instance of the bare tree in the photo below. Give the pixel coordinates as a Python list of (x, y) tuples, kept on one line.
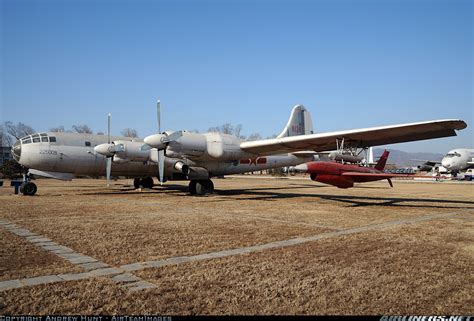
[(83, 129), (19, 130), (2, 136), (59, 129), (237, 130), (129, 132), (228, 129), (254, 136)]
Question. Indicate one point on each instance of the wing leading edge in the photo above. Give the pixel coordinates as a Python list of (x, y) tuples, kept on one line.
[(360, 138)]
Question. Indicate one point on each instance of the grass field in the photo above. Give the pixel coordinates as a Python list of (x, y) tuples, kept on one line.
[(296, 247)]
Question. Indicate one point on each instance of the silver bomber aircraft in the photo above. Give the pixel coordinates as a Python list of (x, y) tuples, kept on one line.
[(199, 157)]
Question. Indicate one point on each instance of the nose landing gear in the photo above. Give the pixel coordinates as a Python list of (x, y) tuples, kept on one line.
[(28, 188)]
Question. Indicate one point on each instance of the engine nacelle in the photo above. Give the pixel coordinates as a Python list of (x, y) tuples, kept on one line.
[(131, 151), (190, 144), (335, 180)]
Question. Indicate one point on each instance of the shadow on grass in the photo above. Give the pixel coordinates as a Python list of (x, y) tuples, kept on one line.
[(275, 193), (352, 201)]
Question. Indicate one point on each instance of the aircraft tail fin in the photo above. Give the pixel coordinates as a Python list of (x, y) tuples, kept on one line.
[(382, 161), (300, 123)]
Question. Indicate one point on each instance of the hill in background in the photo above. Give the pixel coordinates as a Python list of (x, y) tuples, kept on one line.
[(404, 159)]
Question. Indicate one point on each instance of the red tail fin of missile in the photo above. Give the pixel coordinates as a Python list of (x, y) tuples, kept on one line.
[(382, 161)]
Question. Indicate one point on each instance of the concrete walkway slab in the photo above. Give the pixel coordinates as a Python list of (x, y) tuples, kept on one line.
[(41, 280), (82, 259), (10, 284), (93, 266)]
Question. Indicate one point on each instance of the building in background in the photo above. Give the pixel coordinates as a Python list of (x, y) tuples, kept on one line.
[(5, 154)]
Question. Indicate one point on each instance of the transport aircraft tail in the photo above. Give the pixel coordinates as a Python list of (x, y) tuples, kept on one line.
[(300, 123), (382, 161)]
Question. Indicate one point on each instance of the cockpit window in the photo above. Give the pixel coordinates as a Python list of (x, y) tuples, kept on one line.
[(451, 155), (35, 135), (43, 135), (52, 139), (36, 139), (44, 139), (26, 140)]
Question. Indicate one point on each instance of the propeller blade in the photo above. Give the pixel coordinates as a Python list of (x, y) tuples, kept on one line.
[(173, 136), (158, 114), (108, 127), (145, 147), (108, 170), (161, 164)]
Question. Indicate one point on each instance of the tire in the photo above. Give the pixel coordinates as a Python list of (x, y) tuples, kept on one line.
[(192, 187), (204, 187), (137, 182), (147, 182), (28, 188)]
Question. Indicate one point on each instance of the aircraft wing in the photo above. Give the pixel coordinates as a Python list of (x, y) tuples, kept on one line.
[(356, 138)]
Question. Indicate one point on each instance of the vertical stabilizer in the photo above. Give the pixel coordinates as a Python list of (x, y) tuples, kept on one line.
[(382, 161), (300, 123)]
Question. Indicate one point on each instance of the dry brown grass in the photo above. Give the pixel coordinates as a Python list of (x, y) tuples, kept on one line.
[(387, 272), (20, 259), (420, 268)]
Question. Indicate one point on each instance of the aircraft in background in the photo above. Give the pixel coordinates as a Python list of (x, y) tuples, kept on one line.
[(199, 157), (454, 161), (458, 160), (345, 175)]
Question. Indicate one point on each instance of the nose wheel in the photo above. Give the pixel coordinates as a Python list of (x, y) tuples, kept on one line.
[(28, 188)]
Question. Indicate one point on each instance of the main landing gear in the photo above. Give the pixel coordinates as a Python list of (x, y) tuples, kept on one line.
[(201, 187), (146, 182)]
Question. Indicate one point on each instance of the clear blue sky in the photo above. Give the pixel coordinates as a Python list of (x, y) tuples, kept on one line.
[(353, 64)]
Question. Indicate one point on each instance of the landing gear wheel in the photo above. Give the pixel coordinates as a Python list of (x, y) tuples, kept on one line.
[(137, 182), (204, 187), (192, 187), (147, 182), (28, 188)]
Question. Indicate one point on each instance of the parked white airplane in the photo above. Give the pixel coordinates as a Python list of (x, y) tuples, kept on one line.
[(199, 157), (458, 160), (454, 161)]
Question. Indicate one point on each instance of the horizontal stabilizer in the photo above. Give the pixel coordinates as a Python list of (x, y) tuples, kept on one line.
[(379, 175)]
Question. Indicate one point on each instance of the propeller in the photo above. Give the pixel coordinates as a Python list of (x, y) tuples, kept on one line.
[(108, 150), (160, 141)]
